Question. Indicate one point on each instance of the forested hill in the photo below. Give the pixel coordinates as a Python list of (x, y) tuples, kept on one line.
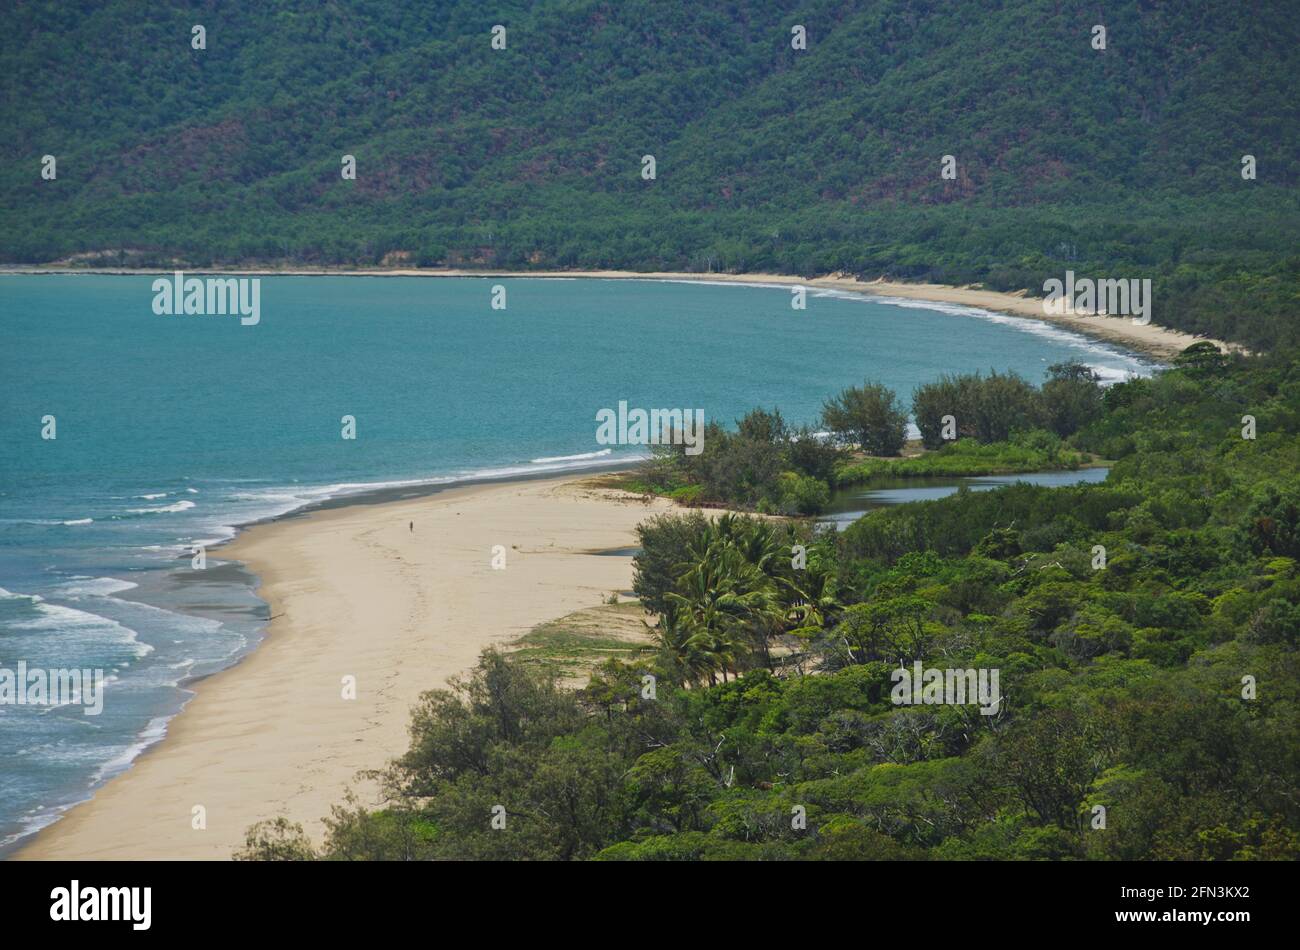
[(1122, 162)]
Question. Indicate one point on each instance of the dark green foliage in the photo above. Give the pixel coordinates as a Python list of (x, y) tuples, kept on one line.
[(869, 417), (663, 541), (813, 456), (763, 465), (1035, 451), (986, 408), (1273, 521), (766, 466), (1071, 397), (963, 521), (932, 402), (276, 840)]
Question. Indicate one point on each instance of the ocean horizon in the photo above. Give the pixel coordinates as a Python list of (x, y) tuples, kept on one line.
[(176, 431)]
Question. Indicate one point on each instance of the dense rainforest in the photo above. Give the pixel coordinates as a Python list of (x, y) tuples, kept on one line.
[(1124, 161), (1145, 631)]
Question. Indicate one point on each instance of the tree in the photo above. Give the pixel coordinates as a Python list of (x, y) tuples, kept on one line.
[(664, 540), (1052, 759), (679, 654), (869, 416), (815, 602), (276, 840), (1071, 397), (453, 731), (1201, 359), (947, 396), (716, 598), (763, 426), (812, 455), (1003, 404)]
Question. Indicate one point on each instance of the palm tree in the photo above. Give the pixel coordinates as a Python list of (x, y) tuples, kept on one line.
[(816, 602), (716, 598), (673, 637), (816, 605)]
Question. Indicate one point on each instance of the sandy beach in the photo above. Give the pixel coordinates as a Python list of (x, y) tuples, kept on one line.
[(353, 591), (1151, 339)]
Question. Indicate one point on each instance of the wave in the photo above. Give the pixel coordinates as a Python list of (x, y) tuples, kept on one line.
[(61, 618), (47, 522), (1108, 373), (275, 502), (572, 458), (183, 505), (58, 618), (152, 733), (36, 819), (757, 285), (93, 587), (1133, 366), (154, 496)]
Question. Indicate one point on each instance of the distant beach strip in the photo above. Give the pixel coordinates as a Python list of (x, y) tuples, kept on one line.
[(1151, 339)]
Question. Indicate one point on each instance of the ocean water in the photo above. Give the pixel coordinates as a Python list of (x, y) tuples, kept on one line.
[(173, 431)]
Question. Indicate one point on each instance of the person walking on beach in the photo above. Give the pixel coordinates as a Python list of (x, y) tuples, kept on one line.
[(412, 527)]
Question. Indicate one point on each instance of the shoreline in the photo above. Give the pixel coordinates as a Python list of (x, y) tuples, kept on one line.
[(83, 830), (1152, 340), (352, 591)]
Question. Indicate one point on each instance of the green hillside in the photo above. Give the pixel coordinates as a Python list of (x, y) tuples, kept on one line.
[(1124, 162)]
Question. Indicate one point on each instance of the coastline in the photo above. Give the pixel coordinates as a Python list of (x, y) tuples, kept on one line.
[(1151, 340), (222, 752), (353, 592)]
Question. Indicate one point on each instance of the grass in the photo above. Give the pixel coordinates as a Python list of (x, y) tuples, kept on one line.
[(574, 645), (967, 458)]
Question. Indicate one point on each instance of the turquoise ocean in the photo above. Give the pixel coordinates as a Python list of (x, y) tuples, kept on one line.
[(173, 431)]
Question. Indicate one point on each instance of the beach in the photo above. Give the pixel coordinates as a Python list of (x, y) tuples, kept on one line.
[(400, 595), (1150, 339)]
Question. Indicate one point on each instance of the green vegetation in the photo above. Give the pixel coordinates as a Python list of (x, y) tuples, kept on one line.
[(1161, 683), (571, 647), (1005, 424), (764, 465), (1033, 452), (992, 408), (1122, 163), (869, 417)]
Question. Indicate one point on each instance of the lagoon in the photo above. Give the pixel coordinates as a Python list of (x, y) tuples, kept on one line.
[(849, 504)]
